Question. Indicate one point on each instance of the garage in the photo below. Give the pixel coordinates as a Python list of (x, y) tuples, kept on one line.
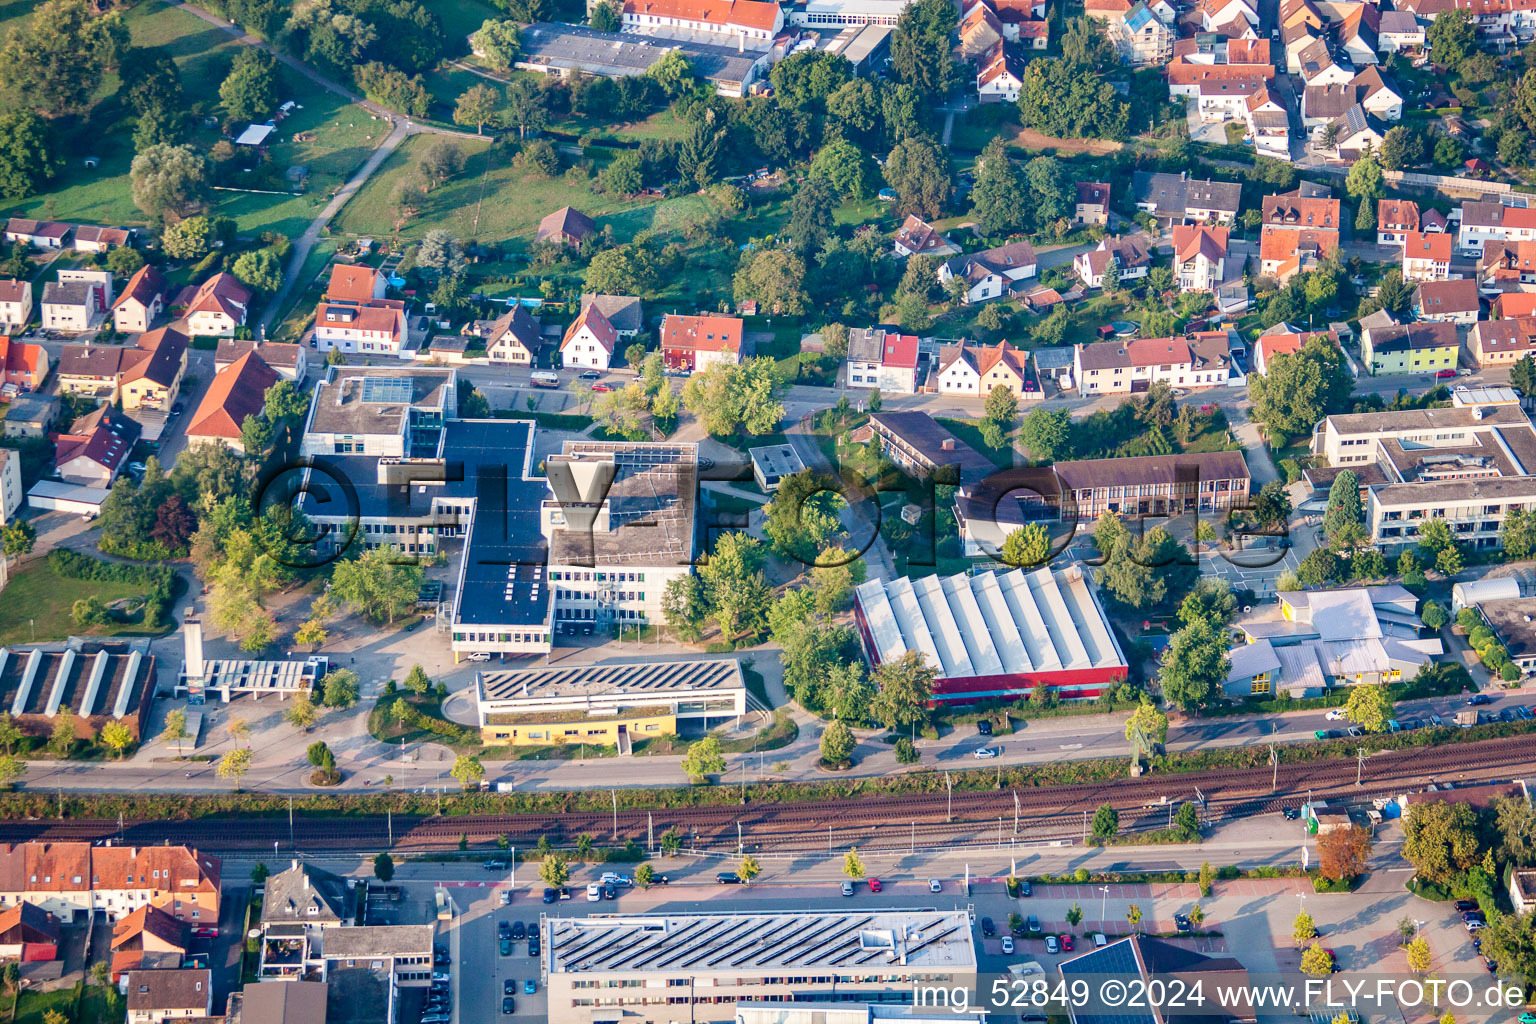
[(52, 496)]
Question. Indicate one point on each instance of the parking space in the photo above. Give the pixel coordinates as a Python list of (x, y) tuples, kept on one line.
[(489, 970)]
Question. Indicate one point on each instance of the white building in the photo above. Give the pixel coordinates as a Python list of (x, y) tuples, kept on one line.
[(751, 24), (1199, 257), (882, 359), (589, 341), (991, 274), (1129, 254)]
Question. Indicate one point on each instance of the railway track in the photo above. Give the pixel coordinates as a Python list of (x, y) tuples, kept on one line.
[(871, 822)]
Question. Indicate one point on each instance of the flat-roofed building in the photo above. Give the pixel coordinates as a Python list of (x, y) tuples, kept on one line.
[(1513, 622), (655, 968), (610, 705), (282, 678), (1474, 508), (994, 635), (771, 463), (396, 411)]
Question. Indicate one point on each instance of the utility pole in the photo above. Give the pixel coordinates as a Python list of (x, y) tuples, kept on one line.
[(1274, 764), (1359, 765), (389, 816), (914, 838), (615, 795), (950, 786), (738, 837), (290, 823), (1015, 812), (829, 838), (650, 831)]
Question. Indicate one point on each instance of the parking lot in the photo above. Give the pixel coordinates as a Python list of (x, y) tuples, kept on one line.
[(481, 973)]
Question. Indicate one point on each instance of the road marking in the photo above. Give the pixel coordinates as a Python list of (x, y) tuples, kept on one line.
[(1070, 746)]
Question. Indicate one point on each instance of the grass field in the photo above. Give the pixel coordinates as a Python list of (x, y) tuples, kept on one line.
[(37, 601)]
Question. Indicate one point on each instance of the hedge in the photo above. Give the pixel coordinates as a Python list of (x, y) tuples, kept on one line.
[(160, 582)]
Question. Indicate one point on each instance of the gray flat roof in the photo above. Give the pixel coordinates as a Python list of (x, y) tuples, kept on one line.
[(374, 399), (643, 678), (621, 54), (886, 941), (364, 941), (651, 502), (503, 580)]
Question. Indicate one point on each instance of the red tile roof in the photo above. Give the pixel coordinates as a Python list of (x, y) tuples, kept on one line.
[(349, 281), (701, 333), (1434, 246), (142, 287), (221, 293), (237, 391), (754, 14), (593, 319)]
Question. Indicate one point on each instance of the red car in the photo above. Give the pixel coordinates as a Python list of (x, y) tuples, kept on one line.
[(1066, 943), (602, 386), (874, 885), (1444, 374)]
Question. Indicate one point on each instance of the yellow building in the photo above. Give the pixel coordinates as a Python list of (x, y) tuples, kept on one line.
[(608, 705), (1411, 348)]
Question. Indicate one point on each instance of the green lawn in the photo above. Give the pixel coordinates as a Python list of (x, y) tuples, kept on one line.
[(969, 431), (33, 1005), (37, 606)]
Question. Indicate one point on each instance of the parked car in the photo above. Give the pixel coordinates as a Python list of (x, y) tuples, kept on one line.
[(610, 892), (728, 878), (530, 986), (1462, 906), (874, 885), (507, 1003), (1478, 699), (1443, 374), (1290, 813), (1032, 923), (505, 896), (847, 888), (602, 385), (506, 947), (982, 753), (1008, 944), (509, 987), (1024, 890), (588, 375), (533, 942), (1051, 945), (934, 885), (1355, 731), (549, 895), (504, 930), (1335, 715), (1327, 734), (519, 931), (1066, 943), (1524, 713), (1474, 926), (984, 727), (1183, 923), (614, 878), (594, 893), (496, 865), (988, 929)]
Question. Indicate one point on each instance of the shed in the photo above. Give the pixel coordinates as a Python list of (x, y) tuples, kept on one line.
[(255, 135), (1502, 588)]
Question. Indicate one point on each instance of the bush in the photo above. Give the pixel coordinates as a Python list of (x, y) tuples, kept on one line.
[(906, 753)]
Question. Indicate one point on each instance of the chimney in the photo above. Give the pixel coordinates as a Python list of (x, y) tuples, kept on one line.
[(294, 864), (192, 648), (948, 444)]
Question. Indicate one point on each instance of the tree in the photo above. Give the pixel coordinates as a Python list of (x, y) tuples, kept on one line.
[(527, 106), (1064, 99), (188, 239), (27, 157), (478, 106), (249, 91), (233, 765), (1298, 389), (1364, 183), (1133, 915), (1106, 822), (383, 867), (1149, 722), (1194, 666), (498, 43), (853, 864), (921, 48), (340, 688), (440, 162), (1343, 853), (56, 61), (684, 608), (554, 871), (311, 634), (645, 875), (674, 73), (1517, 535), (999, 199), (66, 732), (1402, 147), (116, 737), (380, 587), (774, 278), (17, 538), (1304, 929), (1440, 840), (698, 156), (467, 771), (805, 79), (10, 734), (12, 768), (417, 681), (1316, 961), (846, 168), (1344, 509), (903, 689), (1453, 39), (1369, 707), (605, 17), (1211, 599), (1127, 576), (261, 269), (740, 398), (301, 712), (749, 868), (1085, 44), (919, 171), (1027, 546), (836, 744), (703, 759), (1418, 955), (1186, 821), (1047, 434), (239, 730), (169, 180), (175, 729)]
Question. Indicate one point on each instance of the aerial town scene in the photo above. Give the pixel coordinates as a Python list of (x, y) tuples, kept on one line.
[(768, 511)]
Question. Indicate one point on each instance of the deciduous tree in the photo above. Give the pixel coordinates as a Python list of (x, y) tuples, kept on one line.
[(55, 62)]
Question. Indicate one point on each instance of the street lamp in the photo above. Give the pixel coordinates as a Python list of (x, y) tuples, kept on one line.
[(1103, 904)]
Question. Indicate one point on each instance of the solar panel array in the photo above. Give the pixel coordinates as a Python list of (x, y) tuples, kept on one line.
[(641, 677), (1118, 960), (755, 942)]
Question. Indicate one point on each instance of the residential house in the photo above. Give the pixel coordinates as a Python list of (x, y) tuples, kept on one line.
[(1228, 17), (1399, 31), (1377, 93), (1427, 257), (999, 75), (921, 447), (302, 904), (78, 301), (145, 375), (1356, 131), (289, 361), (695, 343), (1494, 222), (1126, 366), (625, 313), (1220, 92), (589, 341), (148, 939), (1092, 203), (15, 304), (1130, 255), (1507, 265), (1288, 341), (39, 234), (1033, 35), (979, 31), (919, 238), (142, 301), (1513, 304), (1358, 35), (1286, 252), (11, 494), (1199, 257), (1321, 66), (28, 933), (1493, 343), (745, 24), (1179, 199), (882, 359), (1321, 105), (238, 391), (155, 996), (569, 226), (990, 274), (1300, 211), (354, 316), (218, 306), (1295, 40), (1410, 348), (66, 878), (1141, 37), (23, 367), (514, 337), (1394, 219), (30, 414), (1301, 12), (974, 370), (1269, 124), (1454, 301), (91, 238)]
